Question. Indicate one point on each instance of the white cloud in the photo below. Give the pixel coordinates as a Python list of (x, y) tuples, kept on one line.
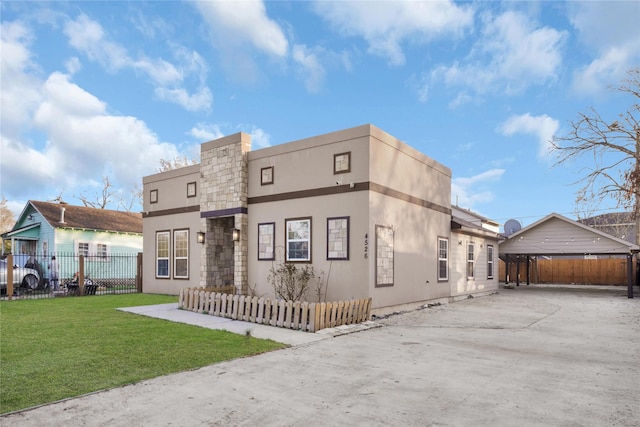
[(542, 127), (511, 54), (88, 36), (259, 138), (310, 68), (86, 143), (386, 25), (610, 31), (82, 141), (198, 101), (234, 23), (20, 92), (206, 132), (475, 190), (73, 65)]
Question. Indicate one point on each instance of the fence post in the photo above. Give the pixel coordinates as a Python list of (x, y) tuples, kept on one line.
[(81, 274), (10, 276), (139, 273)]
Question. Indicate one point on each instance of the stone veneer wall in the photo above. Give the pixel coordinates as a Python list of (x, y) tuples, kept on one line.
[(223, 194)]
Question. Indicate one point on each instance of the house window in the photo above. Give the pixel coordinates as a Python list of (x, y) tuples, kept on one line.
[(489, 261), (384, 256), (443, 259), (83, 249), (191, 189), (342, 163), (338, 238), (266, 175), (102, 252), (153, 196), (162, 254), (470, 260), (298, 237), (181, 254), (266, 241)]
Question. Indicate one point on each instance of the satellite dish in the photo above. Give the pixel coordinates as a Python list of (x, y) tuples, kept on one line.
[(512, 226)]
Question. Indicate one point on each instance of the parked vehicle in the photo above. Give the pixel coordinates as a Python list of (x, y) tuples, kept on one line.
[(27, 278)]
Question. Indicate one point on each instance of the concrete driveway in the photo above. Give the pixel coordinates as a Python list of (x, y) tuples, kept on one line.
[(531, 356)]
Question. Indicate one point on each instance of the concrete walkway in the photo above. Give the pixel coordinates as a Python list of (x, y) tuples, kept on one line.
[(530, 356), (286, 336)]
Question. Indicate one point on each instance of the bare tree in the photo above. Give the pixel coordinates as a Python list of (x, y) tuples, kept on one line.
[(101, 200), (615, 149), (134, 196), (177, 163), (7, 221)]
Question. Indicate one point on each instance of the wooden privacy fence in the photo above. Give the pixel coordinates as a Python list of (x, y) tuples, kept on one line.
[(601, 271), (304, 316)]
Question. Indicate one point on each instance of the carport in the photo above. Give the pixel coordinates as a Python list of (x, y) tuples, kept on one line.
[(556, 235)]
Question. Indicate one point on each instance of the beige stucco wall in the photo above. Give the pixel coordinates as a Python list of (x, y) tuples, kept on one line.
[(386, 165), (460, 284), (389, 184), (418, 212), (168, 215), (305, 165), (346, 279)]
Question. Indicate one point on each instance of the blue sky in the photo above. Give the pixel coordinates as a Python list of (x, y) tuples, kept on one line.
[(90, 89)]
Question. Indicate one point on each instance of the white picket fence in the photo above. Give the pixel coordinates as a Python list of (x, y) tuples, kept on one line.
[(304, 316)]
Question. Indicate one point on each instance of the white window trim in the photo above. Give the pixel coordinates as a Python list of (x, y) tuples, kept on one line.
[(287, 240), (490, 263), (175, 251), (471, 261), (446, 260), (167, 258)]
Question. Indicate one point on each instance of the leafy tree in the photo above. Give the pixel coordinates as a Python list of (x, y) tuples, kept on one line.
[(614, 146)]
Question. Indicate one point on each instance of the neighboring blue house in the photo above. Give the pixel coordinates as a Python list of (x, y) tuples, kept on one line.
[(44, 229)]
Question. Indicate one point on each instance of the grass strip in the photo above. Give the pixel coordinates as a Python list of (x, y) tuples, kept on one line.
[(52, 349)]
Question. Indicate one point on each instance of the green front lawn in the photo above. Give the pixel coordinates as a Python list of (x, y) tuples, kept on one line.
[(51, 349)]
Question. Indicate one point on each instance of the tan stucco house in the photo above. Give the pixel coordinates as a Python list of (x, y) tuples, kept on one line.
[(365, 209)]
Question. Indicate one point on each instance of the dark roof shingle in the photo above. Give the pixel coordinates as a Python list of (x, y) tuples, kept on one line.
[(89, 218)]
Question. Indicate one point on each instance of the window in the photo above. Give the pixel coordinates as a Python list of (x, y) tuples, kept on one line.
[(266, 175), (162, 254), (298, 237), (443, 259), (342, 163), (181, 254), (489, 261), (83, 249), (191, 189), (384, 256), (102, 251), (338, 238), (470, 260), (266, 241)]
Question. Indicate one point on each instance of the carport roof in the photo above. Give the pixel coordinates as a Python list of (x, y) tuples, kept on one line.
[(558, 235)]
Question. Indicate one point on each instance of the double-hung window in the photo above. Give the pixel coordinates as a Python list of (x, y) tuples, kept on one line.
[(443, 259), (83, 249), (181, 254), (102, 252), (162, 254), (470, 260), (489, 261), (298, 237)]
